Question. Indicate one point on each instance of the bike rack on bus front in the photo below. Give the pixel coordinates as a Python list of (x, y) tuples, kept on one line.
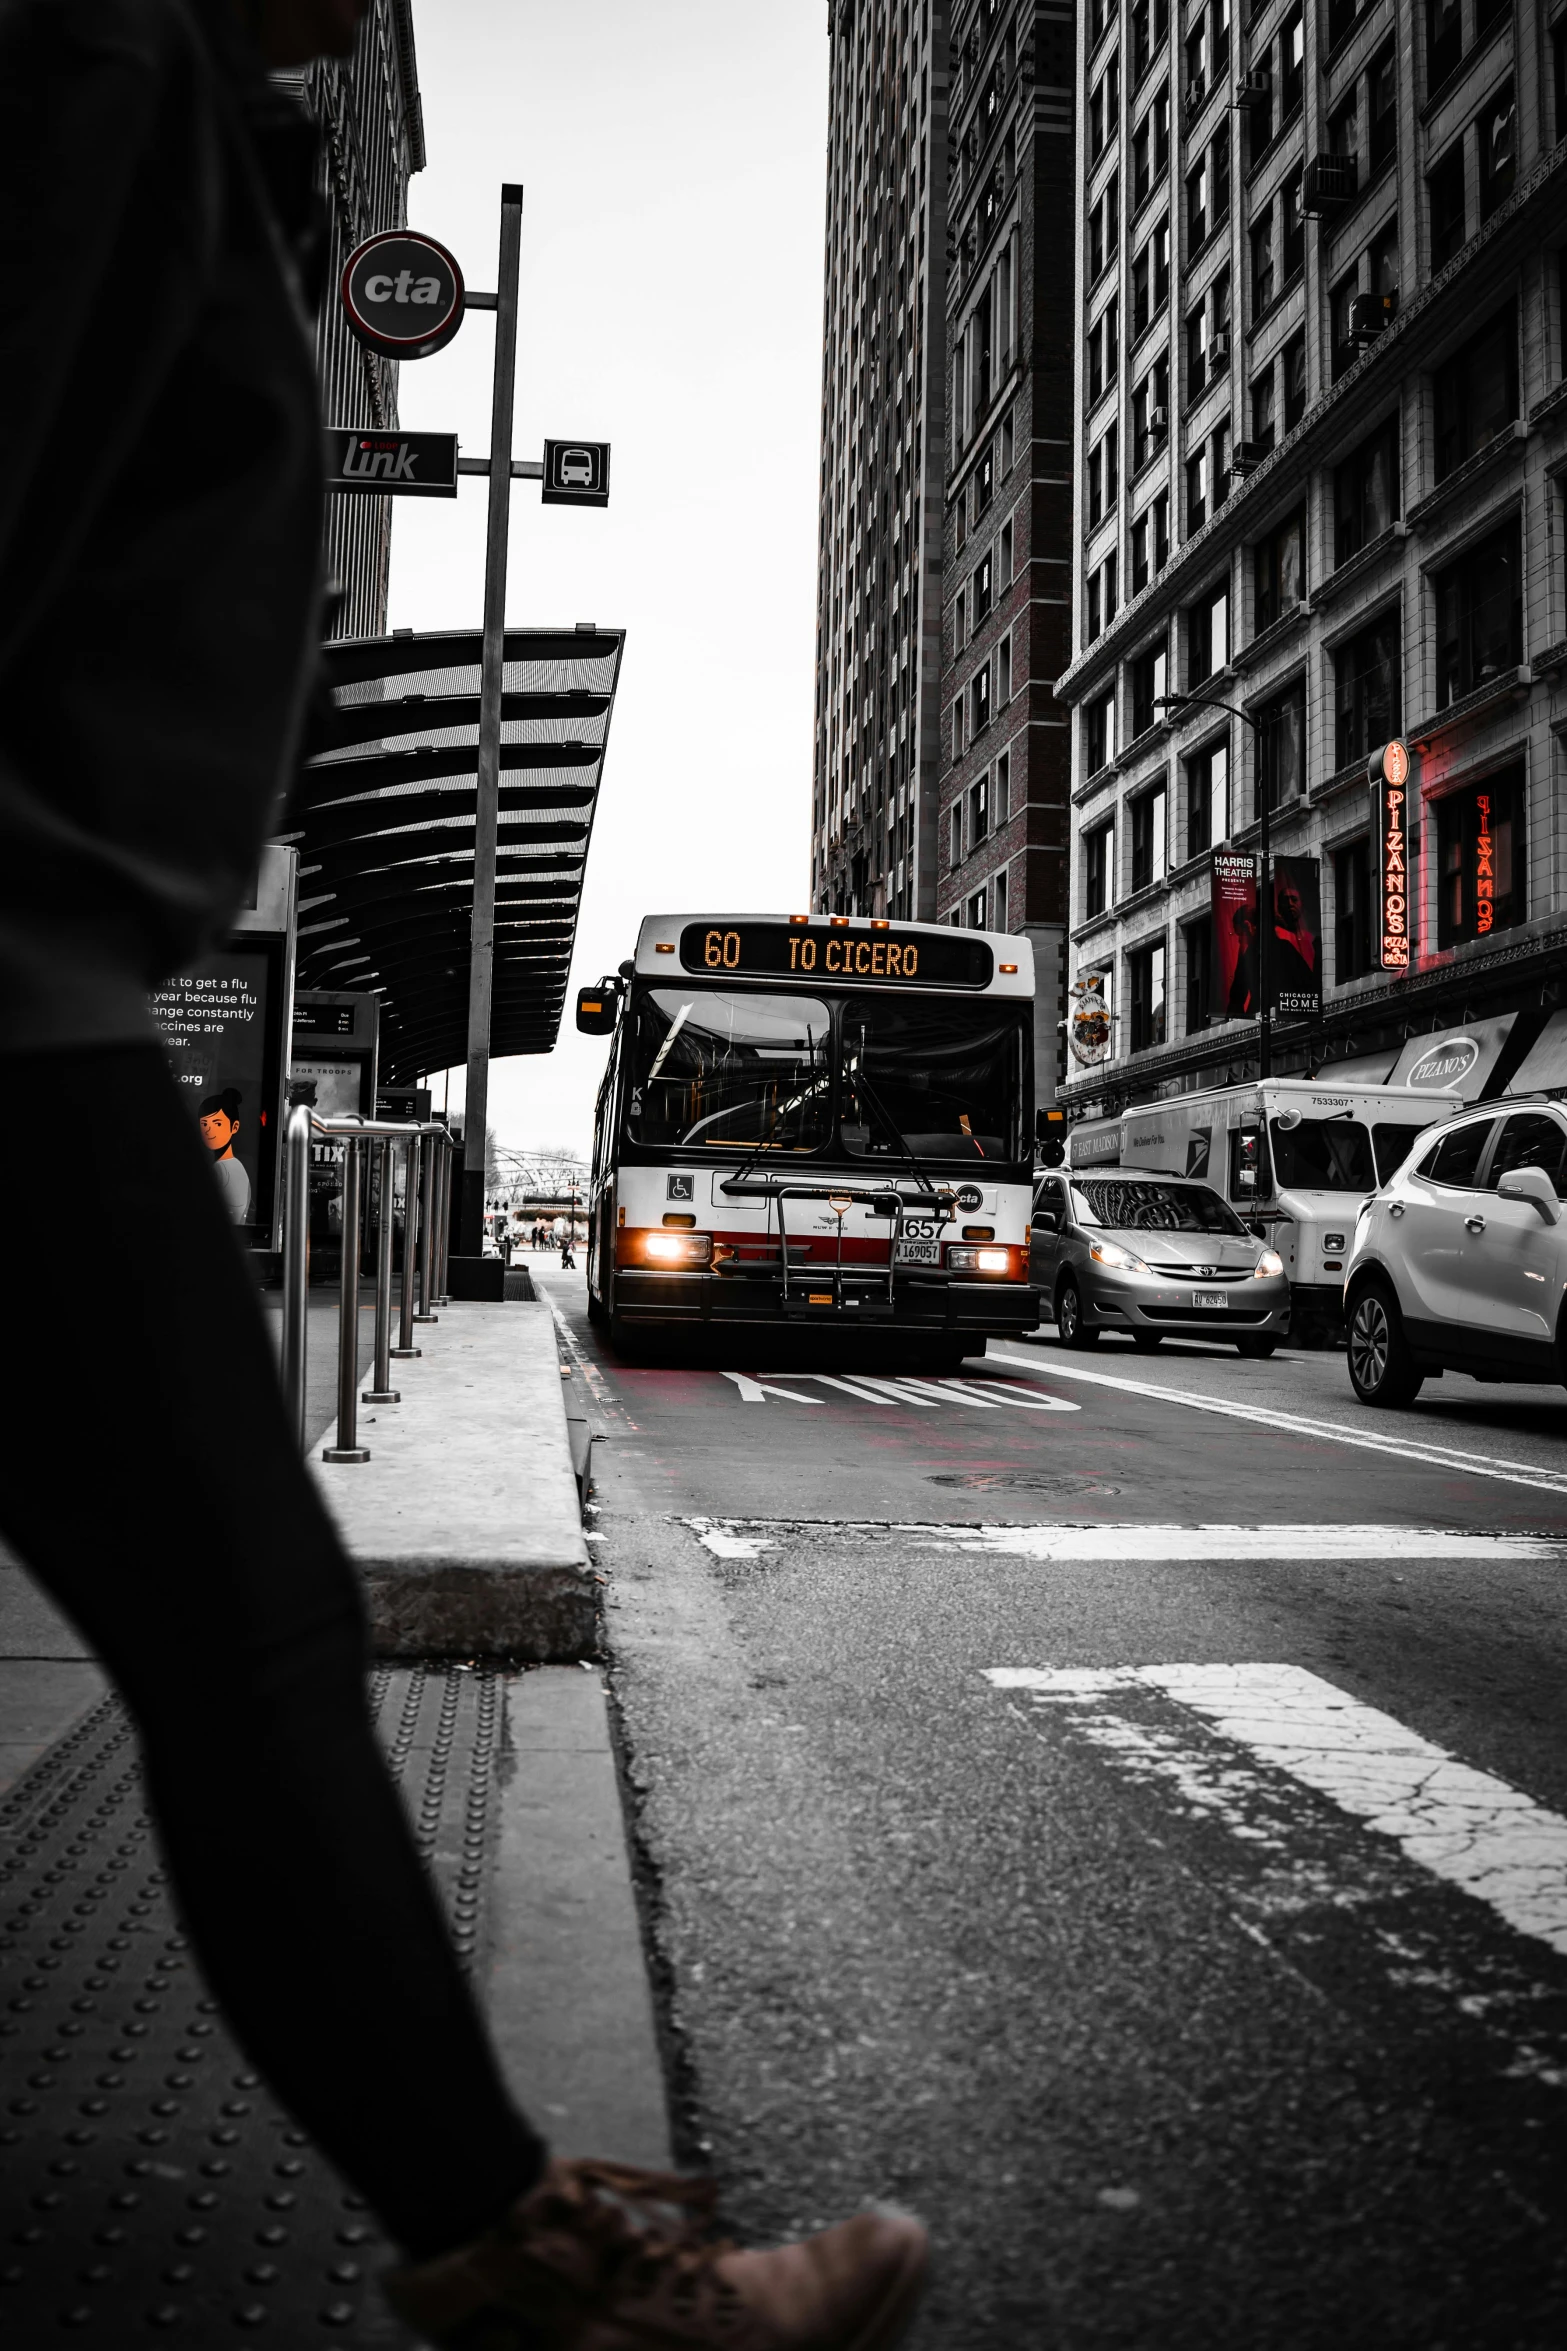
[(938, 1204)]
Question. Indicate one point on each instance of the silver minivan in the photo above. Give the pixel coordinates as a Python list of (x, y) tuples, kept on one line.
[(1154, 1256), (1459, 1261)]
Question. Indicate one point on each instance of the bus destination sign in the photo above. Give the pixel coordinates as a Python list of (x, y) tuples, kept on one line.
[(781, 950)]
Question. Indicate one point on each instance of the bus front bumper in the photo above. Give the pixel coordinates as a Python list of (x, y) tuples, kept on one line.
[(822, 1295)]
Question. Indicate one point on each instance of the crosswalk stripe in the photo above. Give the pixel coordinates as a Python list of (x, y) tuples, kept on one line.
[(1465, 1826)]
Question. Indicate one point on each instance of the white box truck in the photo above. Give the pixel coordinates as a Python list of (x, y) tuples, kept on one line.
[(1294, 1157)]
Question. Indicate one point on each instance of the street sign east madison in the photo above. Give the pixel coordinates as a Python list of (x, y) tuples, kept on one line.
[(402, 294), (576, 473), (391, 465)]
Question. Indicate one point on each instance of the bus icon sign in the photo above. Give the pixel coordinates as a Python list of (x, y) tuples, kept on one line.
[(576, 473)]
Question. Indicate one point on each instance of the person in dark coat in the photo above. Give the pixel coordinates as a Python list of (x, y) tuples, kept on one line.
[(160, 522)]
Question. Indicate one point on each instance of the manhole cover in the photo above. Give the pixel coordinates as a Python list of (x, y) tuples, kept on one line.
[(979, 1481)]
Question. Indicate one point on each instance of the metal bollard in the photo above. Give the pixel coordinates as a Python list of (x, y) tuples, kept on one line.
[(380, 1390), (405, 1319), (346, 1448), (296, 1266), (427, 1184)]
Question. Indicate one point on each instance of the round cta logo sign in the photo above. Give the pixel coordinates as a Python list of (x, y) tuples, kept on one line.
[(1445, 1064), (402, 294)]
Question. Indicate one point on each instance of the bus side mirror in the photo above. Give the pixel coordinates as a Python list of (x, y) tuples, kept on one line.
[(597, 1008)]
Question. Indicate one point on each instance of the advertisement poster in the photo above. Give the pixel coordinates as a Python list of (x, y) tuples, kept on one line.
[(1295, 942), (1234, 905), (217, 1028)]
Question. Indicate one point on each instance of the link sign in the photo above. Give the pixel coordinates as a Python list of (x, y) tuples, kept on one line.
[(402, 294), (397, 465), (1390, 850)]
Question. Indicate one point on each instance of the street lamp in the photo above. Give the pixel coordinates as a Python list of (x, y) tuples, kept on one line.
[(1264, 878)]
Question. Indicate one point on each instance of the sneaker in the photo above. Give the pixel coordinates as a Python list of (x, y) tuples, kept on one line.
[(602, 2257)]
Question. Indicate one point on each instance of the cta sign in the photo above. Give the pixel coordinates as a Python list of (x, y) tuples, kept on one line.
[(576, 473), (396, 465), (402, 294), (1390, 852)]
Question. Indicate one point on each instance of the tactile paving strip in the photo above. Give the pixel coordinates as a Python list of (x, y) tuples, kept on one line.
[(152, 2188)]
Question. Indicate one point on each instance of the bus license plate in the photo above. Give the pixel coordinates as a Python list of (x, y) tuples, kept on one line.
[(918, 1253), (1209, 1298)]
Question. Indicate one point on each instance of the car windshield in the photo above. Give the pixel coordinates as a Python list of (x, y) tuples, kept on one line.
[(719, 1071), (931, 1079), (1323, 1155), (1134, 1205)]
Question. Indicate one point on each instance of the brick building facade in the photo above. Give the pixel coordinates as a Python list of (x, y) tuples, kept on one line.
[(1322, 448)]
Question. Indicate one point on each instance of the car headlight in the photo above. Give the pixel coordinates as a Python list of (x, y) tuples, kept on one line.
[(1111, 1253), (1267, 1265)]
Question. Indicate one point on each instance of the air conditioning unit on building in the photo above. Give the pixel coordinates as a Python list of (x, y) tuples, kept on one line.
[(1253, 89), (1369, 314), (1158, 423), (1218, 349), (1329, 181), (1243, 457)]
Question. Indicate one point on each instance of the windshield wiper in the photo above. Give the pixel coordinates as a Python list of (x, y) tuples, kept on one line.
[(762, 1140)]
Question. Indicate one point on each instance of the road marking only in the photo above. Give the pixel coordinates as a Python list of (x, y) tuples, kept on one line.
[(1090, 1539), (876, 1388), (1465, 1826), (1407, 1448)]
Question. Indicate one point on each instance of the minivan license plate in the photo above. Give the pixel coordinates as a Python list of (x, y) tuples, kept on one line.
[(1209, 1298), (918, 1253)]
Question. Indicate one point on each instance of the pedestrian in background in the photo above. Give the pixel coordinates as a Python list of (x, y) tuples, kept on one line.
[(160, 521)]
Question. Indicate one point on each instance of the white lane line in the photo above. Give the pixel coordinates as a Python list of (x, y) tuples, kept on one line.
[(1087, 1539), (1407, 1448), (758, 1391), (1465, 1826)]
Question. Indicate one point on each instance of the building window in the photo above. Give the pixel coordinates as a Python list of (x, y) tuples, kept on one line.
[(1151, 147), (1290, 201), (1444, 40), (1281, 747), (1151, 412), (1098, 855), (1198, 940), (1151, 277), (1148, 839), (1161, 530), (978, 811), (1264, 429), (1480, 848), (976, 911), (1104, 228), (1344, 131), (1207, 798), (1264, 279), (1352, 911), (1497, 133), (998, 892), (1101, 598), (1006, 555), (1446, 187), (1294, 381), (1367, 690), (1208, 635), (1145, 972), (1003, 784), (1099, 733), (1103, 483), (957, 728), (1141, 572), (984, 481), (1148, 675), (1009, 442), (979, 701), (1292, 65), (984, 583), (1365, 493), (955, 835), (1382, 269), (1479, 616), (1382, 106), (1198, 478), (1280, 570), (1104, 109), (1341, 304), (1004, 673), (1559, 78), (959, 621)]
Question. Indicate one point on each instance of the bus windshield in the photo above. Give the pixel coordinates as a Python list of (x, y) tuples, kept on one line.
[(1137, 1205), (931, 1079), (1323, 1155), (751, 1072)]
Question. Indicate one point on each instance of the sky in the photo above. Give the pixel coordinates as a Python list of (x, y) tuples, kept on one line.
[(672, 154)]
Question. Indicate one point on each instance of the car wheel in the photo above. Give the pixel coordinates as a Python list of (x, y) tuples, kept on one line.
[(1146, 1341), (1382, 1369), (1069, 1317), (1257, 1346)]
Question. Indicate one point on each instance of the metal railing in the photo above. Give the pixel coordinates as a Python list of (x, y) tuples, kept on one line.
[(427, 1197)]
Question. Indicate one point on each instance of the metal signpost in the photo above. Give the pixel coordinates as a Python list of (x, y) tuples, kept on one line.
[(403, 295)]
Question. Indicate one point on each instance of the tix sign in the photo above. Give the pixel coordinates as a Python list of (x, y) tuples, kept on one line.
[(775, 950)]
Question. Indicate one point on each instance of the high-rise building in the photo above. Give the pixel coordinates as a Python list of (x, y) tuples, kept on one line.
[(878, 623), (1003, 790), (371, 129), (1321, 447)]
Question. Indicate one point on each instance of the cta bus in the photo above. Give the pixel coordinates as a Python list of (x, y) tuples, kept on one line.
[(814, 1119)]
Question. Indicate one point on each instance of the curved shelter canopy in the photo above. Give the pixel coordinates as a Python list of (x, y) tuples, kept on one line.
[(383, 820)]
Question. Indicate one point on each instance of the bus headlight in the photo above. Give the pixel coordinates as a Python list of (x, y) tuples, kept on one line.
[(1010, 1264), (1267, 1265), (671, 1248)]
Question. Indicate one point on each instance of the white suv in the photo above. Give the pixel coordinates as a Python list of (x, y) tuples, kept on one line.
[(1460, 1260)]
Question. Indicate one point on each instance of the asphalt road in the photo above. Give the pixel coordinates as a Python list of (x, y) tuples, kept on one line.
[(1117, 1806)]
